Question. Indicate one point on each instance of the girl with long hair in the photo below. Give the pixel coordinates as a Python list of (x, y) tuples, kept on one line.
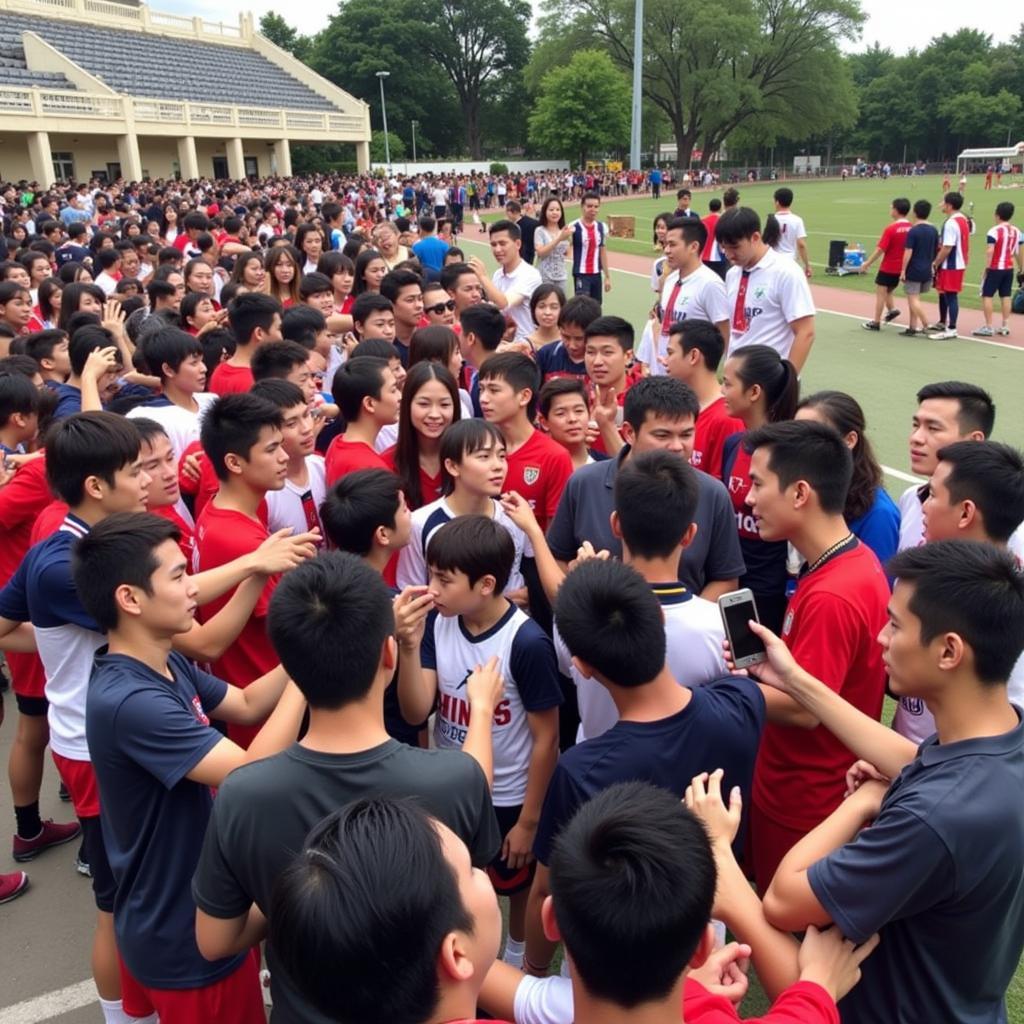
[(283, 275), (440, 344), (342, 273), (249, 271), (551, 242), (370, 271)]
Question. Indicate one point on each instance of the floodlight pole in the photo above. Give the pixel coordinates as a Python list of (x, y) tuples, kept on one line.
[(415, 125), (638, 56), (381, 75)]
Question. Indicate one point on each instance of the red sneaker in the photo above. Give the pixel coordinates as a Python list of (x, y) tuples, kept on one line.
[(12, 886), (51, 834)]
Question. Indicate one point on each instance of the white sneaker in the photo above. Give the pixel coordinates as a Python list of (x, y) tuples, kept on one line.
[(983, 332), (1004, 331), (945, 335)]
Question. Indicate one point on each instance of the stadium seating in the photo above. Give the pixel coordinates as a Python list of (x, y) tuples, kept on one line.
[(12, 65)]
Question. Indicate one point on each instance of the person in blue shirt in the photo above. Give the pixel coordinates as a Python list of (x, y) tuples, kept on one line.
[(870, 513), (430, 250), (922, 243)]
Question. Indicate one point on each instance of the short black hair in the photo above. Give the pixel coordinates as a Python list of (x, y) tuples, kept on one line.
[(558, 386), (302, 324), (702, 335), (232, 426), (615, 327), (169, 346), (518, 371), (953, 199), (328, 620), (580, 310), (452, 272), (376, 348), (632, 882), (88, 444), (357, 506), (922, 209), (1004, 210), (355, 380), (277, 359), (901, 206), (283, 393), (486, 321), (656, 500), (371, 888), (475, 545), (811, 451), (118, 550), (992, 476), (609, 618), (41, 344), (462, 438), (370, 302), (589, 195), (973, 590), (249, 311), (17, 395), (195, 221), (692, 230), (683, 193), (977, 410), (511, 228), (663, 396), (784, 196), (736, 225), (394, 281)]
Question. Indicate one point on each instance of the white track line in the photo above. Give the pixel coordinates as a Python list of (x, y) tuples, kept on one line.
[(50, 1004)]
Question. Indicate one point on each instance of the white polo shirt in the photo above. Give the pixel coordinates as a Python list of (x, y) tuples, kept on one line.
[(777, 294), (524, 281), (791, 230)]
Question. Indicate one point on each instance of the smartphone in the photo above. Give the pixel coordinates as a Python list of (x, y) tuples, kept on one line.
[(738, 608)]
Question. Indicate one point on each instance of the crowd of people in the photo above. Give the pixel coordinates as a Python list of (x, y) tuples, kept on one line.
[(353, 584)]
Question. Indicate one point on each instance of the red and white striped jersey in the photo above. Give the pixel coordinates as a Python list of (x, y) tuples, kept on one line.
[(587, 240), (1005, 240), (956, 234)]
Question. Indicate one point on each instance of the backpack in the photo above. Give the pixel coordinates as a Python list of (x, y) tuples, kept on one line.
[(1017, 304)]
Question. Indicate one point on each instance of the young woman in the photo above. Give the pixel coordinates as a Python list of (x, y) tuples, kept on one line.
[(551, 242), (430, 403), (199, 278), (659, 267), (74, 273), (439, 344), (310, 242), (249, 272), (15, 306), (545, 307), (38, 266), (197, 310), (342, 272), (80, 298), (370, 271), (870, 513), (47, 309), (282, 275), (169, 227), (759, 387)]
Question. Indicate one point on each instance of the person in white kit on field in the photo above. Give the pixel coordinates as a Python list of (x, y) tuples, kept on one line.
[(792, 240)]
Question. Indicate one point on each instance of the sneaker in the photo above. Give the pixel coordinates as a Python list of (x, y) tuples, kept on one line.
[(947, 334), (1004, 331), (891, 315), (983, 332), (909, 332), (82, 866), (51, 834), (871, 325), (936, 327), (12, 886)]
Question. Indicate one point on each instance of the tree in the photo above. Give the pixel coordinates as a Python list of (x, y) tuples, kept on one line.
[(396, 146), (583, 108), (280, 33)]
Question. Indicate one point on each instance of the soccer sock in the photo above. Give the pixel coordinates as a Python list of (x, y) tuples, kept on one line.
[(29, 822), (942, 307), (113, 1013), (514, 951), (953, 308)]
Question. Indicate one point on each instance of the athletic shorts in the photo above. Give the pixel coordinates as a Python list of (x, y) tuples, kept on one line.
[(917, 287), (508, 881), (31, 707), (104, 888), (886, 280), (80, 780), (997, 282), (949, 281), (28, 677), (234, 999)]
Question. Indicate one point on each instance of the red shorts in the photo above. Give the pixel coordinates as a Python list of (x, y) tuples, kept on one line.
[(949, 280), (28, 677), (768, 842), (80, 780), (235, 999)]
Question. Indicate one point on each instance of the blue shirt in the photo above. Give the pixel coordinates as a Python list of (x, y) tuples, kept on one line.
[(431, 251), (923, 242), (553, 361), (879, 527), (69, 400), (147, 733)]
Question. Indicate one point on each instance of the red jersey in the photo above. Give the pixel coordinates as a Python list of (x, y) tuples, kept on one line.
[(710, 252), (222, 535), (345, 456), (714, 425), (430, 486), (801, 1003), (203, 489), (893, 244), (831, 625), (633, 374), (1005, 240), (187, 543), (230, 380), (539, 471), (49, 521)]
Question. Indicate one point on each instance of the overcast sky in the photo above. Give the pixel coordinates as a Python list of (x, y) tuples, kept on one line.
[(899, 26)]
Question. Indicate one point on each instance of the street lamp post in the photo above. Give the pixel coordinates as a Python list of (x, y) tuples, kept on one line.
[(638, 92), (381, 75), (415, 125)]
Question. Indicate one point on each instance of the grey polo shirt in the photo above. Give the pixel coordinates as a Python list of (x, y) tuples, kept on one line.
[(940, 874), (588, 501)]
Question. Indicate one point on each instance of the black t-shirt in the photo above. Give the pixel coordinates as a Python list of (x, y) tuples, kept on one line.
[(265, 810)]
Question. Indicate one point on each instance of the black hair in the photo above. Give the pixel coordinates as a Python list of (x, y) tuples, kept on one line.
[(580, 310), (656, 500), (662, 396), (148, 429), (302, 324), (762, 365), (249, 311), (977, 410), (371, 888), (328, 621), (973, 590), (395, 280), (589, 195), (107, 258), (901, 206), (1004, 211), (314, 284), (784, 197), (518, 371), (737, 225), (118, 550), (545, 291), (367, 303), (953, 199), (612, 327), (282, 393), (190, 302), (462, 438), (195, 221), (88, 444), (68, 272), (357, 505), (41, 344), (83, 340), (170, 346), (71, 299), (714, 205), (363, 260), (509, 227), (610, 619), (277, 359), (633, 882), (17, 395), (805, 450), (376, 348), (692, 230), (161, 289), (356, 380), (476, 546), (558, 386), (542, 217), (486, 321), (433, 344), (991, 475), (451, 274), (232, 426), (703, 336), (683, 193)]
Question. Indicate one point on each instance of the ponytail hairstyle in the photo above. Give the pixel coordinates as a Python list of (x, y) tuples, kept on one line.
[(844, 413), (772, 231), (777, 378)]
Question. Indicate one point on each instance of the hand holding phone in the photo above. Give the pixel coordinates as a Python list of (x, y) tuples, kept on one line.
[(738, 608)]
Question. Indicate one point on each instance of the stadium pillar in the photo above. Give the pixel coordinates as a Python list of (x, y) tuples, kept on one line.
[(362, 157), (129, 156), (40, 157), (188, 160), (236, 158), (283, 158)]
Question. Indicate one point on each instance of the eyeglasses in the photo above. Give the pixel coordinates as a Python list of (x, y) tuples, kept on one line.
[(440, 307)]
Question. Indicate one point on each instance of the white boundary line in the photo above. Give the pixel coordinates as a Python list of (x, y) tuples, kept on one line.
[(50, 1004)]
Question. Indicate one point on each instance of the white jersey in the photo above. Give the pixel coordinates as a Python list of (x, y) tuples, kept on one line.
[(412, 561), (777, 293), (523, 281), (911, 506), (694, 635), (526, 662), (791, 230), (181, 425), (299, 507)]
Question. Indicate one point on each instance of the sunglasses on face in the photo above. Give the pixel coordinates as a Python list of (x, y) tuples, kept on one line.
[(441, 307)]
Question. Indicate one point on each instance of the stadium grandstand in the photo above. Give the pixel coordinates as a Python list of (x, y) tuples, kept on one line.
[(109, 89)]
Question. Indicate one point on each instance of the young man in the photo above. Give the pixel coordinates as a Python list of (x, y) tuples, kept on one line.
[(95, 363), (920, 246), (373, 316), (658, 412), (430, 250), (610, 620), (713, 257), (513, 282), (608, 351), (109, 263), (563, 411), (944, 845), (800, 472), (792, 232), (332, 624), (438, 305), (195, 224), (527, 228), (589, 255), (565, 357), (254, 319), (946, 412), (368, 396), (890, 249), (538, 467), (470, 560), (1004, 251), (684, 197), (949, 266), (50, 350), (404, 289), (768, 294), (288, 361), (156, 757), (462, 283)]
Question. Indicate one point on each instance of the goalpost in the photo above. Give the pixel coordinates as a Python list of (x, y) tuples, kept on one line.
[(1008, 159)]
